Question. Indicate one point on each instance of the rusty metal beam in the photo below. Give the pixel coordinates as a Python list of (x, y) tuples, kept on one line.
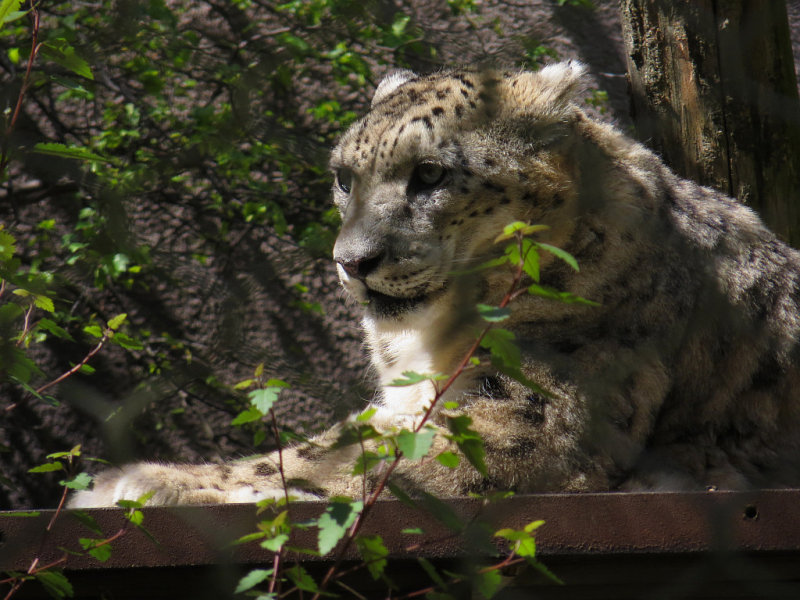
[(582, 532)]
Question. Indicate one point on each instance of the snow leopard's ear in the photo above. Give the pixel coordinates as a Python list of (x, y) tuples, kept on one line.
[(391, 81), (550, 90)]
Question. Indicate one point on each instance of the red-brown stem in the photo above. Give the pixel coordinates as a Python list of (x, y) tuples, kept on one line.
[(35, 568), (364, 474), (277, 435), (26, 323), (354, 529), (4, 159), (276, 564), (58, 508), (276, 560), (506, 562), (77, 367), (510, 295)]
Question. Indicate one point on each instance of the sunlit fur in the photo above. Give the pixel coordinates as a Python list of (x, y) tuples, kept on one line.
[(684, 377)]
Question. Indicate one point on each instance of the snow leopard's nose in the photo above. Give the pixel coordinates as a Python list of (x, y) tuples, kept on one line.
[(360, 268)]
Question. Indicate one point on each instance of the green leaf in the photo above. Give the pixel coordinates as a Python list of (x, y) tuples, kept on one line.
[(274, 544), (366, 415), (120, 263), (400, 23), (81, 481), (449, 459), (75, 451), (510, 230), (127, 342), (247, 416), (526, 547), (500, 342), (9, 312), (114, 323), (488, 583), (44, 303), (252, 579), (250, 537), (22, 513), (56, 584), (302, 579), (469, 441), (244, 384), (401, 494), (553, 294), (562, 254), (525, 253), (431, 571), (101, 553), (339, 515), (8, 246), (413, 531), (548, 574), (489, 264), (530, 259), (87, 520), (413, 378), (366, 461), (415, 445), (60, 150), (47, 467), (522, 540), (94, 330), (493, 314), (518, 375), (62, 53), (374, 553), (263, 399), (55, 329), (277, 383), (8, 8), (135, 516), (442, 512)]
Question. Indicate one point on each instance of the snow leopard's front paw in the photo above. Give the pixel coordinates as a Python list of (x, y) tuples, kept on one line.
[(158, 484), (169, 485)]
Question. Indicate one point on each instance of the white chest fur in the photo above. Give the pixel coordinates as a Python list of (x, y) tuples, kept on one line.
[(415, 345)]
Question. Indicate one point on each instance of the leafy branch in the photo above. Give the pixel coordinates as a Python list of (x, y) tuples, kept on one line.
[(341, 522), (8, 11), (50, 575)]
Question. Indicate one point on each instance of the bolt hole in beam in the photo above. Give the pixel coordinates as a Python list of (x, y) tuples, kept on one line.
[(751, 512)]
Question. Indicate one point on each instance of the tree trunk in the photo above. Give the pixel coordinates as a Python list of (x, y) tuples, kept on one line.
[(714, 92)]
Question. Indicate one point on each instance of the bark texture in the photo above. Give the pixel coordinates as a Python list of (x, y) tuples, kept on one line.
[(714, 91)]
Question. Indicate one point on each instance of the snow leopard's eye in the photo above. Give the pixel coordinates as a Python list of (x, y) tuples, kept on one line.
[(344, 180), (427, 175)]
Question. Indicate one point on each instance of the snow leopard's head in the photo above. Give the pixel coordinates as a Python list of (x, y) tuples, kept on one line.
[(429, 177)]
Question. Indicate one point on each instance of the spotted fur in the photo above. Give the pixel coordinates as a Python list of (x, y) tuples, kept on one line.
[(686, 375)]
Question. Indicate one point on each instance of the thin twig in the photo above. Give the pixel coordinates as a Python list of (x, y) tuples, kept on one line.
[(276, 561), (59, 507), (26, 323), (355, 528), (35, 46), (77, 367)]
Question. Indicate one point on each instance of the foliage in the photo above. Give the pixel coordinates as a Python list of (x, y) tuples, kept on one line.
[(339, 525), (119, 113), (197, 116)]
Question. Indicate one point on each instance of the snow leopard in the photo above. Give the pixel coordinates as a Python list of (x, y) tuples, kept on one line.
[(684, 375)]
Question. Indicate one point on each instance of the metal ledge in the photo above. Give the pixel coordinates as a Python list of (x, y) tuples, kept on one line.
[(711, 544)]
